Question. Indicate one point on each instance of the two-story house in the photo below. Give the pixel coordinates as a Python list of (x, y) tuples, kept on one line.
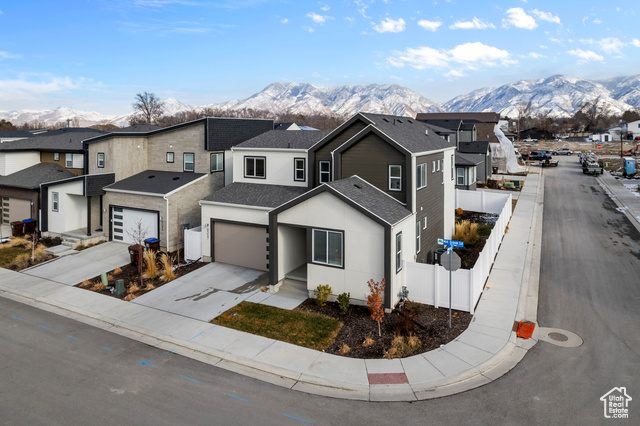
[(374, 192), (150, 180)]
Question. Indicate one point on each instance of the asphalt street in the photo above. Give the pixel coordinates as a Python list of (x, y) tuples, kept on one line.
[(55, 370)]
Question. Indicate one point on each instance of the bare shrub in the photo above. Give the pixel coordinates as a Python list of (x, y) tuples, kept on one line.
[(133, 288), (167, 267), (368, 342), (117, 271), (151, 269), (130, 297), (344, 349)]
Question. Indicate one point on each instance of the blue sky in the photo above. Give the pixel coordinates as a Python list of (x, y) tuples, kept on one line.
[(97, 54)]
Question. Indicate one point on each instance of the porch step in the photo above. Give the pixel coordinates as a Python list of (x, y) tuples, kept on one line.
[(293, 288), (70, 242), (58, 250)]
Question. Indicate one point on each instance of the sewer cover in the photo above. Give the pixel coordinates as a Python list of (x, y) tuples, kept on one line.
[(558, 337)]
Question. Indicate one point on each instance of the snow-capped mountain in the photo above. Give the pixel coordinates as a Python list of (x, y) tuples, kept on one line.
[(557, 96)]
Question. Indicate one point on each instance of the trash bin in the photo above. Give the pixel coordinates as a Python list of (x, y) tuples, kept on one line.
[(29, 226), (437, 256), (17, 228), (135, 254), (152, 244)]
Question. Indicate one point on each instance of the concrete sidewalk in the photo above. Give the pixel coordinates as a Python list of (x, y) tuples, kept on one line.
[(487, 350), (628, 203)]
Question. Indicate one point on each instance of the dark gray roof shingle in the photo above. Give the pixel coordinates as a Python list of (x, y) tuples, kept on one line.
[(255, 194), (137, 128), (371, 199), (467, 159), (223, 133), (32, 177), (414, 136), (155, 181), (476, 147), (294, 139), (61, 140)]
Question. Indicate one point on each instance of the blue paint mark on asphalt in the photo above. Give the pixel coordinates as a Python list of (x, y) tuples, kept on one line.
[(296, 418), (19, 319), (168, 352), (631, 241), (46, 328), (71, 337), (188, 378), (147, 363), (106, 349), (196, 335), (237, 397)]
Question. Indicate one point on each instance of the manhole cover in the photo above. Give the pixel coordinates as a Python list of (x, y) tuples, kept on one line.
[(558, 337)]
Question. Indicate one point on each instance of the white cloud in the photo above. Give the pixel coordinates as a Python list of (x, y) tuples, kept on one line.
[(475, 24), (546, 16), (390, 26), (318, 19), (36, 86), (325, 8), (611, 45), (597, 21), (518, 18), (162, 3), (454, 74), (284, 21), (7, 55), (534, 55), (429, 25), (585, 55), (420, 58), (477, 53), (635, 42)]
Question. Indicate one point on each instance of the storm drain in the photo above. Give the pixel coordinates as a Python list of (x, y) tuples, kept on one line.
[(558, 337)]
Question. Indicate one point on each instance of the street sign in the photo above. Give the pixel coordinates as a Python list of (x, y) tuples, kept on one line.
[(599, 146), (450, 243), (451, 262)]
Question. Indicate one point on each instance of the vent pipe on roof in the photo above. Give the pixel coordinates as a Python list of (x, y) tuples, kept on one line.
[(426, 132)]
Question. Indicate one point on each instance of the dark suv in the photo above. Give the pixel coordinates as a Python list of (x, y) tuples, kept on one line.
[(539, 156)]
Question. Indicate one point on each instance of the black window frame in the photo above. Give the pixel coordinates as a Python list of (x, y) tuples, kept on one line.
[(98, 160), (184, 162), (321, 172), (255, 168), (326, 232), (211, 162), (296, 169)]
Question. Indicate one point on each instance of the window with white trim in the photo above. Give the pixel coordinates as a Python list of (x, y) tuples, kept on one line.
[(101, 160), (68, 160), (460, 174), (438, 165), (424, 222), (325, 171), (395, 177), (217, 162), (418, 229), (299, 169), (328, 247), (170, 157), (54, 201), (56, 156), (421, 175), (255, 167), (433, 166), (398, 251), (189, 162), (452, 166)]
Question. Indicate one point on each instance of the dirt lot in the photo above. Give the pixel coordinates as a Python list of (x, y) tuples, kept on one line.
[(608, 148)]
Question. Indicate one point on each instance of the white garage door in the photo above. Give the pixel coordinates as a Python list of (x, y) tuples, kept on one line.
[(240, 245), (15, 209), (124, 224)]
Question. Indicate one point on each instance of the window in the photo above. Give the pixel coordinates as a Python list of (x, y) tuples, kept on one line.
[(298, 169), (217, 162), (327, 247), (424, 222), (418, 236), (189, 159), (460, 180), (395, 178), (254, 167), (421, 175), (56, 156), (325, 171), (101, 160), (437, 165), (170, 157), (54, 201), (68, 160), (433, 166), (452, 165), (398, 251)]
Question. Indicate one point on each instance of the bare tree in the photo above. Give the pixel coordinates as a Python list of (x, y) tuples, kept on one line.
[(138, 233), (148, 108)]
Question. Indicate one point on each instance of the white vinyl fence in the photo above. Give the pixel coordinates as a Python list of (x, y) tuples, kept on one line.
[(429, 284), (192, 243)]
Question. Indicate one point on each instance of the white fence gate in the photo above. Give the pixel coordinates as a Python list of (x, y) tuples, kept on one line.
[(429, 284), (193, 243)]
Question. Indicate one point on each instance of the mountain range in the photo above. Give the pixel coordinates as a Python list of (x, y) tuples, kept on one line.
[(556, 96)]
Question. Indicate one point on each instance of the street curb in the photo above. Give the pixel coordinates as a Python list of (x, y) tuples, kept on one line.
[(608, 190)]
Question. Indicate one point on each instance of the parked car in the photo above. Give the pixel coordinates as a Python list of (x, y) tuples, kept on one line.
[(539, 156), (562, 151)]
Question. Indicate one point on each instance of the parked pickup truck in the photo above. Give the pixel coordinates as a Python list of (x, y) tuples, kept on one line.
[(539, 156), (591, 165)]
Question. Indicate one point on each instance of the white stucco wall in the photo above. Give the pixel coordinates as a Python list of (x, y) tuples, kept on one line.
[(228, 167), (72, 207), (229, 212), (408, 229), (279, 166), (11, 162), (449, 194), (363, 244)]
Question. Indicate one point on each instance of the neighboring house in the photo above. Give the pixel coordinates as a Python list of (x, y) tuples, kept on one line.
[(286, 126), (349, 207), (536, 134), (482, 151), (466, 170), (601, 137), (14, 135), (156, 178), (484, 123), (633, 127)]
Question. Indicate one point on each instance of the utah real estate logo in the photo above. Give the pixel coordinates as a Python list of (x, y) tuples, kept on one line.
[(616, 403)]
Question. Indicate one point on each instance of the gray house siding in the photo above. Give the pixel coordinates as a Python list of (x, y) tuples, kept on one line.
[(429, 202), (324, 152)]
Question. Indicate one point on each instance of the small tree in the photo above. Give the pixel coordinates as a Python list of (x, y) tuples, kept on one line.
[(138, 235), (148, 108), (374, 301)]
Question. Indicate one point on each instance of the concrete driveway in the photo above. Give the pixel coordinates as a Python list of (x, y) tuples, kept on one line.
[(75, 268), (209, 291)]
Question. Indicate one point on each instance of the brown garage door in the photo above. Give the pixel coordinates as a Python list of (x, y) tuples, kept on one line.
[(240, 245), (15, 209)]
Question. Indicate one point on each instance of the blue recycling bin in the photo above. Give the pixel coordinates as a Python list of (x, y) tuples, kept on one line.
[(630, 166), (152, 244)]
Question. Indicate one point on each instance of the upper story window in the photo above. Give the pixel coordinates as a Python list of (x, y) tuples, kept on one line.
[(328, 247), (255, 167), (170, 157), (438, 165), (325, 171), (54, 201), (56, 156), (395, 178), (217, 162), (460, 180), (189, 160), (418, 229), (101, 160), (299, 169), (421, 176), (68, 160), (433, 166)]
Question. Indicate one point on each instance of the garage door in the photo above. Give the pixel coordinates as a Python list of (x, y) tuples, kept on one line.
[(240, 245), (15, 209), (124, 224)]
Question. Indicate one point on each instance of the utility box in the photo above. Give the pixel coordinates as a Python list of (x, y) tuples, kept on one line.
[(630, 166), (437, 256)]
